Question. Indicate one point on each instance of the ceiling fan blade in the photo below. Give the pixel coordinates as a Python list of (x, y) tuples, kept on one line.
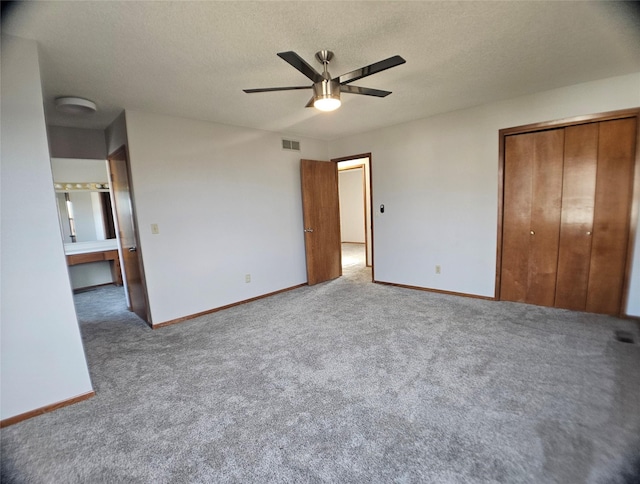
[(367, 91), (396, 60), (269, 89), (299, 63)]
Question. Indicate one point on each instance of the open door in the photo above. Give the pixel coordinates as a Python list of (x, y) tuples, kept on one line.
[(123, 208), (321, 215)]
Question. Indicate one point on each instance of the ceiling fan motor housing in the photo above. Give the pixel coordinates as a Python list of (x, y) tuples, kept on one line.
[(326, 89)]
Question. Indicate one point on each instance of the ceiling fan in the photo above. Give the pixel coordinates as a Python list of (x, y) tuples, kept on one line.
[(326, 91)]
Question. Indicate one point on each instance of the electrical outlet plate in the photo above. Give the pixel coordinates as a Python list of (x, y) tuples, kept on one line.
[(438, 269), (247, 278), (155, 229)]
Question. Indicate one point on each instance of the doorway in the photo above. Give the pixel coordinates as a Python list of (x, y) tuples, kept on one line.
[(321, 216), (87, 228), (86, 222), (354, 175)]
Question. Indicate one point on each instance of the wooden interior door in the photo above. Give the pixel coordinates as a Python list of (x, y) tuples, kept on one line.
[(516, 218), (611, 222), (531, 216), (577, 184), (123, 208), (578, 203), (321, 218), (544, 231)]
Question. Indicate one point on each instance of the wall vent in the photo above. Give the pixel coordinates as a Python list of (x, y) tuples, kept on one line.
[(291, 145)]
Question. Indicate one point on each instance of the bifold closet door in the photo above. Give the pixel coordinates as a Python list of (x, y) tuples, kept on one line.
[(531, 216), (566, 215), (578, 203), (614, 191)]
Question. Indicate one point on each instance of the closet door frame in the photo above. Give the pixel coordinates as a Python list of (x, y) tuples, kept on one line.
[(563, 123)]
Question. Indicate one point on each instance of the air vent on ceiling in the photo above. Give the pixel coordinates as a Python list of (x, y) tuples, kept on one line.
[(291, 145)]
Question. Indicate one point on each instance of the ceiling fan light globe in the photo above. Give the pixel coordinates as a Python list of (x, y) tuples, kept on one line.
[(327, 104), (326, 94)]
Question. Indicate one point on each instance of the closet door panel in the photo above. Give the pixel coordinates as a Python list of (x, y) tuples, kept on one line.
[(614, 187), (576, 226), (548, 154), (516, 217)]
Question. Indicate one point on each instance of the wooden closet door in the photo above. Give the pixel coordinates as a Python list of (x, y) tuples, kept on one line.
[(614, 189), (531, 216), (545, 216), (516, 217), (584, 173), (576, 228)]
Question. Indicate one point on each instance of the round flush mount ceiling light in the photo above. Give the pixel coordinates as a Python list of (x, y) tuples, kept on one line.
[(75, 105)]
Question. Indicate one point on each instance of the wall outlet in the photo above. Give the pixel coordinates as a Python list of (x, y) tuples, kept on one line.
[(155, 229), (247, 278), (438, 269)]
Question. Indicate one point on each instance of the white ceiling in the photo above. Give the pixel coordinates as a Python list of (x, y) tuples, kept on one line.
[(192, 59)]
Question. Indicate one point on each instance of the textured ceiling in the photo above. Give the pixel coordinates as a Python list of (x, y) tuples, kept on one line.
[(192, 59)]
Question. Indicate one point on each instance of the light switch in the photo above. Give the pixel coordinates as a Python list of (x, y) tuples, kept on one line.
[(155, 229)]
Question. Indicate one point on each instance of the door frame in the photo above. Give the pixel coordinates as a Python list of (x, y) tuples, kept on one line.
[(357, 157), (635, 198), (362, 167), (124, 152)]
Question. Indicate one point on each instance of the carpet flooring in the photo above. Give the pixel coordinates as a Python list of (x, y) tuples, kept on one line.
[(346, 381)]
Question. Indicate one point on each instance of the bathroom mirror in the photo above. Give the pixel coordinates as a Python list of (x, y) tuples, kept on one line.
[(85, 216), (83, 200)]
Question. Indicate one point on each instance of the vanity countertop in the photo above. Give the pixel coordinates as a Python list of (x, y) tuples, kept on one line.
[(88, 247)]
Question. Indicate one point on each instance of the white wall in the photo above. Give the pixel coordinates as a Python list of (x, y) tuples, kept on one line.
[(77, 143), (438, 180), (90, 274), (116, 134), (42, 356), (351, 188), (79, 170), (227, 203)]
